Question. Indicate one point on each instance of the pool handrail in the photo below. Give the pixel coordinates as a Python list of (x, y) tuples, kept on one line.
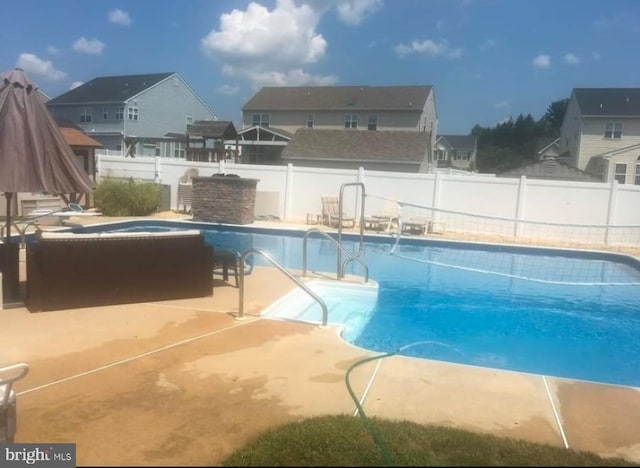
[(340, 272), (340, 204), (304, 287)]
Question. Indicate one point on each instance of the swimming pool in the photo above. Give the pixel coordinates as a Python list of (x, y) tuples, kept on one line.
[(543, 311)]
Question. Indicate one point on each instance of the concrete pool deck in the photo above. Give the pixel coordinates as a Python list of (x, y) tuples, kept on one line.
[(185, 383)]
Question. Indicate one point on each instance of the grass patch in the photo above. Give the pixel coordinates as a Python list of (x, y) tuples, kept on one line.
[(347, 441)]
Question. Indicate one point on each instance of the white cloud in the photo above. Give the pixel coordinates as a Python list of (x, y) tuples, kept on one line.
[(75, 84), (120, 17), (354, 11), (571, 59), (502, 104), (52, 50), (542, 61), (429, 47), (596, 56), (489, 44), (228, 90), (33, 65), (88, 46), (268, 45)]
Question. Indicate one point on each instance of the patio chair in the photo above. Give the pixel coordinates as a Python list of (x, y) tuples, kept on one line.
[(385, 220), (415, 225), (331, 215), (8, 410), (185, 189)]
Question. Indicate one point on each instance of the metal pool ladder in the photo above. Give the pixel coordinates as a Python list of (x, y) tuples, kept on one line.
[(304, 287), (341, 267)]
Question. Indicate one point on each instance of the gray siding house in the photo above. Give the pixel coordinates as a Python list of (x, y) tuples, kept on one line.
[(113, 109), (345, 108), (456, 151), (601, 133)]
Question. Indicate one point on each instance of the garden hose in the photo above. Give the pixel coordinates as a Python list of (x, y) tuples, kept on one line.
[(372, 429), (376, 437)]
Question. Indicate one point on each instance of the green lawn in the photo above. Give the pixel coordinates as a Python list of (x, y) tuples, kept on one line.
[(352, 441)]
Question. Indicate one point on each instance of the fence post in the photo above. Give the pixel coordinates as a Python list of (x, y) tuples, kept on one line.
[(288, 191), (611, 210), (221, 167), (520, 205), (98, 163), (360, 178), (157, 170), (437, 182)]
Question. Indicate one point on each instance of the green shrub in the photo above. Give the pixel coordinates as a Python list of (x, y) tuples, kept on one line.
[(127, 198)]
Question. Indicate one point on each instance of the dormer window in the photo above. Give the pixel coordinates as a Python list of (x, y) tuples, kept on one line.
[(613, 130)]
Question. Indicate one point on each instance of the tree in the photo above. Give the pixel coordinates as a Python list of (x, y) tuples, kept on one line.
[(552, 119)]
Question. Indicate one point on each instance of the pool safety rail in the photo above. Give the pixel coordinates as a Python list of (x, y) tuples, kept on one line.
[(246, 254), (363, 195), (341, 267)]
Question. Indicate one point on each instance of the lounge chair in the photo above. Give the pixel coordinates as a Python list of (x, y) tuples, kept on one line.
[(331, 215), (185, 189), (415, 225), (8, 411), (385, 220), (47, 217)]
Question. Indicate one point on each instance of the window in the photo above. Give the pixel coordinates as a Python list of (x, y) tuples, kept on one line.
[(178, 151), (621, 173), (157, 149), (119, 113), (85, 115), (351, 121), (637, 179), (189, 120), (441, 155), (105, 113), (260, 119), (132, 112), (373, 122), (461, 155), (309, 120), (613, 130)]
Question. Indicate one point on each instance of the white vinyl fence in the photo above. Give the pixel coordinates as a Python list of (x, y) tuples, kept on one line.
[(290, 193)]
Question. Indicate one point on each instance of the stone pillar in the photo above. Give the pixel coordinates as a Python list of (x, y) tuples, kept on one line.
[(224, 199)]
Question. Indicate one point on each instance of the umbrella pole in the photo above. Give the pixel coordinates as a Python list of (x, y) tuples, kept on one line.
[(7, 247)]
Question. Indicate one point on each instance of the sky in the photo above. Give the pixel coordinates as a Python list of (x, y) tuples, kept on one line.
[(488, 60)]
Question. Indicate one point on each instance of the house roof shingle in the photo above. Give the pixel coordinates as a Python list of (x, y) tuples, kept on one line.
[(550, 169), (460, 141), (339, 98), (212, 129), (114, 89), (623, 102), (390, 145)]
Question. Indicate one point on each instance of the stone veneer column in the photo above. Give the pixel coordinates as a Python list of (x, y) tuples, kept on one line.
[(224, 199)]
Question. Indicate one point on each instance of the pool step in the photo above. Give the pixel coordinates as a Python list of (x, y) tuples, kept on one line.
[(348, 304)]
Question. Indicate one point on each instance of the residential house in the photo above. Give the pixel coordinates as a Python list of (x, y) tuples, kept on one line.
[(398, 151), (601, 133), (113, 109), (456, 151), (274, 114)]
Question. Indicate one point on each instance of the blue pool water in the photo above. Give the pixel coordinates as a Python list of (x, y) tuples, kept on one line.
[(565, 314)]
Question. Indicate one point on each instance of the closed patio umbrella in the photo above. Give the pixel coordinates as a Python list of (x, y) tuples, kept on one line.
[(34, 157)]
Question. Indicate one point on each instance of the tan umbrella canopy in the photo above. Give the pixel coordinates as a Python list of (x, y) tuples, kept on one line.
[(34, 157)]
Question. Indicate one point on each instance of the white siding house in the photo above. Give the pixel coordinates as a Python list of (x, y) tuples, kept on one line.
[(601, 133)]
